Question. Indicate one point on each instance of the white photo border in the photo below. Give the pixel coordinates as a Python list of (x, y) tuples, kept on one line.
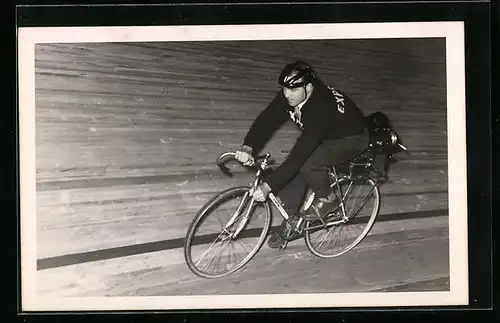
[(452, 31)]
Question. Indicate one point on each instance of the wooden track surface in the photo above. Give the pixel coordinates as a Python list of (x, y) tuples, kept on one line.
[(127, 135)]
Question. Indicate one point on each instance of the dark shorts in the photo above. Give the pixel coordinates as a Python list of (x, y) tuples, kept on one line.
[(340, 151), (313, 173)]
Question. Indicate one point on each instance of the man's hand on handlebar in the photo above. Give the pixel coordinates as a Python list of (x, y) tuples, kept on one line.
[(244, 155)]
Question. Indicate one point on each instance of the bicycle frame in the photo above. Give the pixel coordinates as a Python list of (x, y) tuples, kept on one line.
[(261, 167)]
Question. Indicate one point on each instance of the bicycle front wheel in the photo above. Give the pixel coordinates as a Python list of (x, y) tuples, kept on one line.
[(222, 238), (345, 226)]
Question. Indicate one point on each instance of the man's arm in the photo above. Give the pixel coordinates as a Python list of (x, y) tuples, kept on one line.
[(305, 145), (268, 121)]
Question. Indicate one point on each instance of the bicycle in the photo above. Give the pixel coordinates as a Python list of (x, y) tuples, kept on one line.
[(319, 230)]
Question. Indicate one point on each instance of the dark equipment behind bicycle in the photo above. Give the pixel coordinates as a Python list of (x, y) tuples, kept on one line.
[(384, 142)]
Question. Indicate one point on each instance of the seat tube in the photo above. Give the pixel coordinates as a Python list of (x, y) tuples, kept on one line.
[(337, 184)]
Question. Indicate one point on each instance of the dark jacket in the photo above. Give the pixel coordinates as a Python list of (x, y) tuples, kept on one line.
[(328, 114)]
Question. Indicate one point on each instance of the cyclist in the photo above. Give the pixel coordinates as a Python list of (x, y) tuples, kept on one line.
[(332, 132)]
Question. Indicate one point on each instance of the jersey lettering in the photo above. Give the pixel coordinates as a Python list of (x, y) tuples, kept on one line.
[(339, 99)]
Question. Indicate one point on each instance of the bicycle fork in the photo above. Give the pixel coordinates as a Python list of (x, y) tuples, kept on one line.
[(237, 214), (238, 211)]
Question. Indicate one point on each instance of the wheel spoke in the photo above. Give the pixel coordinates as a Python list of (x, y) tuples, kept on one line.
[(364, 199), (213, 245)]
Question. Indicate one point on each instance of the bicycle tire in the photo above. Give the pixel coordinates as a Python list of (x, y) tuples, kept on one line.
[(204, 213), (371, 220)]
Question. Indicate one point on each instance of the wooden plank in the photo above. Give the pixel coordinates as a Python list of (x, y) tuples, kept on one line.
[(131, 130)]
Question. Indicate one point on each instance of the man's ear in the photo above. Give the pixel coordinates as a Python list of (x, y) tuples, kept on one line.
[(309, 87)]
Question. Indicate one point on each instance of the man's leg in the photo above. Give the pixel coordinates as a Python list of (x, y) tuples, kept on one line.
[(314, 174), (292, 196), (334, 152), (315, 171), (343, 150)]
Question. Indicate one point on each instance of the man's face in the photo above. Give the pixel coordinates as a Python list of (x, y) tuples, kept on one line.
[(294, 95)]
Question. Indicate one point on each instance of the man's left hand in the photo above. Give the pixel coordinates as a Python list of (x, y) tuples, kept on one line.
[(261, 192)]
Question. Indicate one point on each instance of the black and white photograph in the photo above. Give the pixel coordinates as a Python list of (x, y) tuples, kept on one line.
[(243, 166)]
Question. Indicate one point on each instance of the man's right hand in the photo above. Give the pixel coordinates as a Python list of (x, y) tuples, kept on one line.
[(244, 155)]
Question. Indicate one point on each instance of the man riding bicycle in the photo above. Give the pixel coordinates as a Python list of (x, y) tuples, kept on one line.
[(332, 132)]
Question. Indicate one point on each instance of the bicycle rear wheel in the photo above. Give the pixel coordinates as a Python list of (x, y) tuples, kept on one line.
[(211, 250), (345, 229)]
